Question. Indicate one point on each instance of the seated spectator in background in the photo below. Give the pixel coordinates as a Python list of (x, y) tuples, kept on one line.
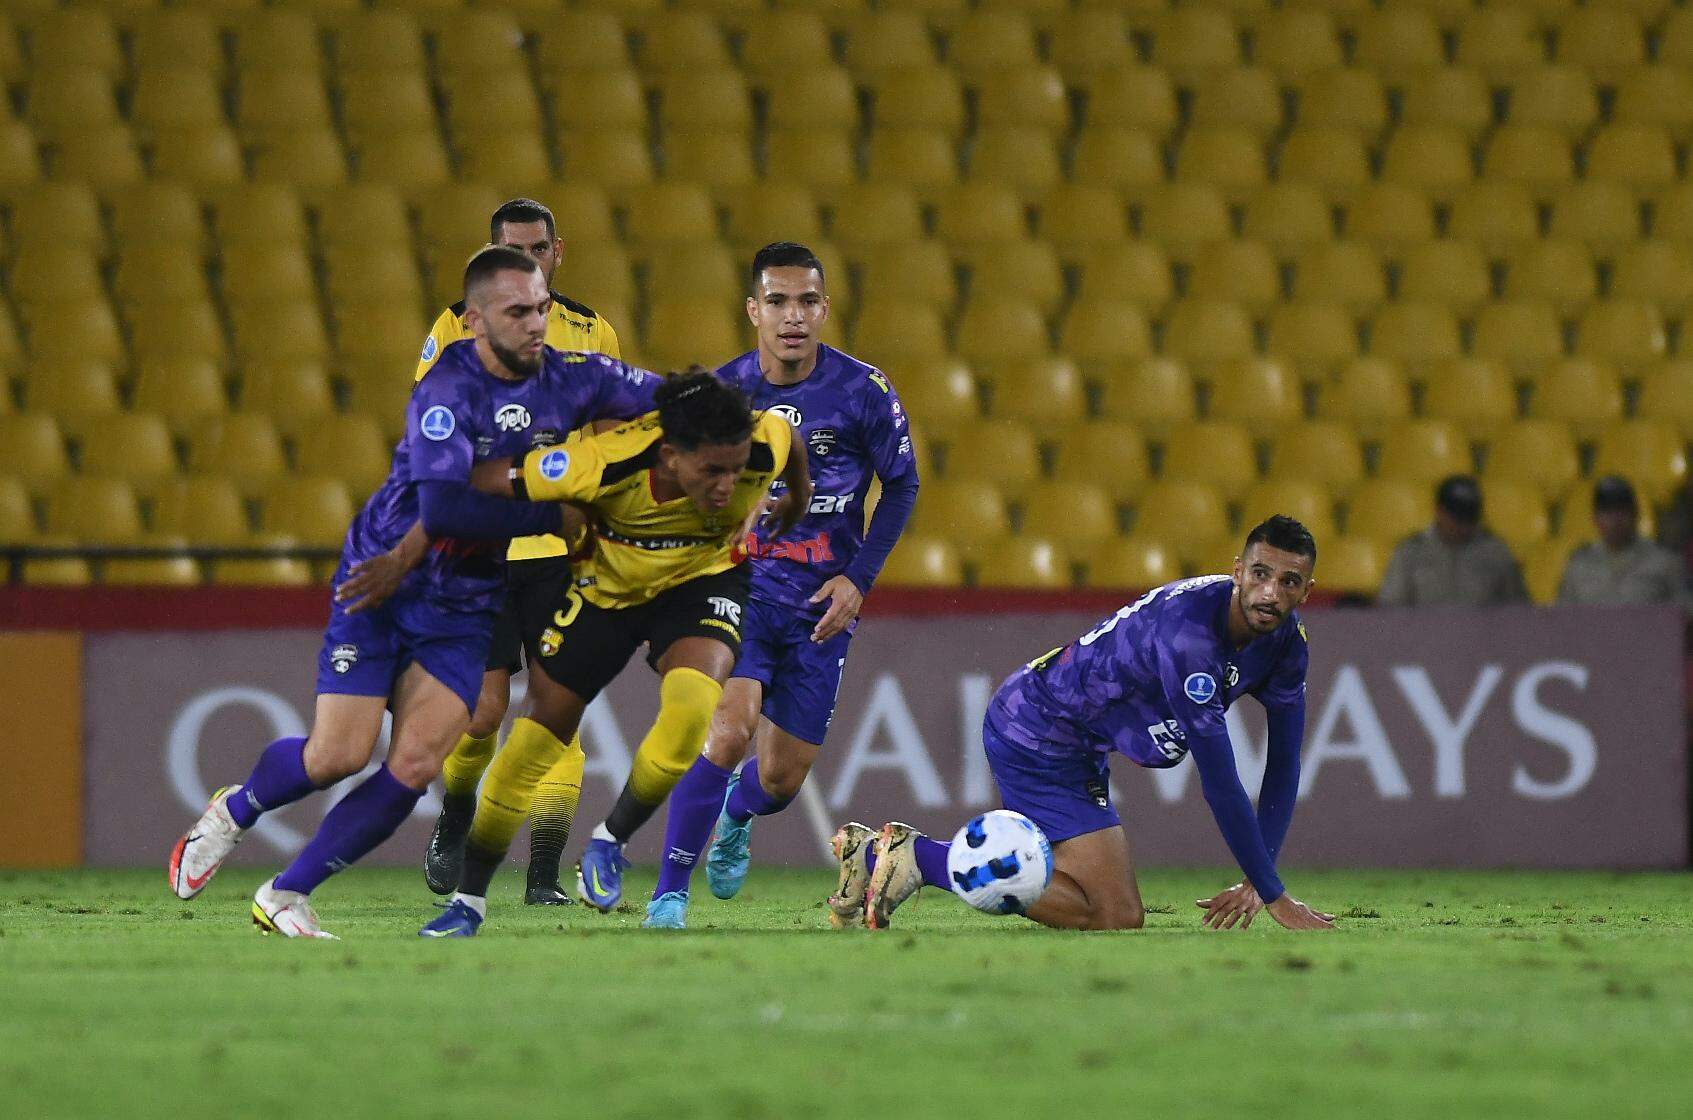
[(1454, 562), (1621, 567)]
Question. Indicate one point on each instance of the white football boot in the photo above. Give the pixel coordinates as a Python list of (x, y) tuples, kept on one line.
[(203, 848), (851, 845), (289, 913), (897, 876)]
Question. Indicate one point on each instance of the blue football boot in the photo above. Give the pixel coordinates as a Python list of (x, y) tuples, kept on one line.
[(731, 852), (599, 874), (668, 911), (456, 919)]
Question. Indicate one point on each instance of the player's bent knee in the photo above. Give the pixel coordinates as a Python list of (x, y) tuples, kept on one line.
[(328, 760), (1119, 915)]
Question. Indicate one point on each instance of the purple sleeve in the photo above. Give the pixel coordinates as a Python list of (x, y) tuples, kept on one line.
[(887, 440), (438, 443), (1229, 804), (1280, 790), (899, 498), (624, 391), (452, 509)]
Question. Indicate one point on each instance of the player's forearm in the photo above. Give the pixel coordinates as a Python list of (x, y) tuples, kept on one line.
[(1232, 809), (899, 498), (453, 509), (413, 546), (1280, 790), (493, 476)]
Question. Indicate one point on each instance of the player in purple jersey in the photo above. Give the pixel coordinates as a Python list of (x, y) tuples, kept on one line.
[(807, 584), (1151, 682), (419, 652)]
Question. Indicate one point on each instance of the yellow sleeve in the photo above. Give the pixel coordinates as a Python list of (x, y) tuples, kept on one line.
[(569, 473), (774, 429), (606, 340), (447, 329)]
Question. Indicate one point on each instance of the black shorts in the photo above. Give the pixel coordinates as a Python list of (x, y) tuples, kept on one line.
[(584, 647), (533, 590)]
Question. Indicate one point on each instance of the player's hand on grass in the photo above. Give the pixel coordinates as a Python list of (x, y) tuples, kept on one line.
[(1293, 914), (1225, 909), (844, 601)]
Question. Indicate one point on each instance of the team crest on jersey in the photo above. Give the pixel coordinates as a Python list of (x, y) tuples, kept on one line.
[(551, 639), (821, 440), (1232, 674), (437, 423), (789, 413), (543, 437), (343, 657), (512, 418), (727, 608), (1200, 687), (430, 349), (554, 463)]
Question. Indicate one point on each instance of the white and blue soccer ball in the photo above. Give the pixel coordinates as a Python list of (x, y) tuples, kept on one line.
[(1000, 863)]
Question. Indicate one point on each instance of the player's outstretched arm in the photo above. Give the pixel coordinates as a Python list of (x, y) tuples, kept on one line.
[(371, 582)]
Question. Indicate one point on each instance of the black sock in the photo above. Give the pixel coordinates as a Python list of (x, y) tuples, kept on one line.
[(479, 867), (627, 816)]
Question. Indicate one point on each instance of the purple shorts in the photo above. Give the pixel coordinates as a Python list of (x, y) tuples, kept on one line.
[(364, 654), (800, 677), (1066, 795)]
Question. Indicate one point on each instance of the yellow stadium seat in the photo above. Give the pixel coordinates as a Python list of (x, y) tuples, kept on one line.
[(1134, 562), (84, 34), (608, 98), (1047, 393), (1026, 270), (1390, 215), (1415, 335), (72, 390), (1666, 394), (487, 41), (308, 157), (1303, 500), (284, 330), (1648, 452), (281, 100), (95, 511), (1641, 156), (1261, 394), (153, 571), (1025, 562), (386, 42), (254, 275), (923, 97), (1371, 394), (1150, 391), (372, 102), (92, 332), (709, 99), (185, 391), (1534, 157), (1672, 214), (1675, 38), (580, 39), (1583, 393), (1295, 43), (1246, 98), (35, 449), (823, 161), (1446, 272), (921, 270), (1604, 41), (879, 41), (701, 270), (457, 214), (1288, 217), (206, 157), (1088, 45), (277, 39), (1476, 396), (1629, 333), (719, 161), (1314, 338), (785, 45), (1216, 453), (1387, 510), (1541, 453), (147, 274), (40, 274), (682, 332), (104, 156), (1543, 570), (1660, 96), (1183, 216), (1024, 159), (57, 215), (314, 509), (1242, 271), (1332, 159), (1524, 334), (1423, 451), (822, 97), (1336, 98), (996, 331), (683, 42), (17, 519), (154, 214), (1555, 97), (1318, 452), (899, 334), (1561, 273), (1230, 159), (166, 99), (1126, 159), (1077, 220), (1655, 272), (1450, 97), (921, 158), (1397, 42), (988, 43), (133, 446), (1110, 454), (294, 394), (1134, 97), (244, 447), (1204, 333), (1601, 215), (1430, 158), (1135, 272), (19, 162), (1193, 43), (67, 99), (668, 214), (1080, 514), (876, 214), (1352, 566), (968, 512), (922, 561), (1188, 517), (1502, 43), (610, 158), (977, 218), (57, 571), (941, 397), (410, 158), (280, 570), (345, 446)]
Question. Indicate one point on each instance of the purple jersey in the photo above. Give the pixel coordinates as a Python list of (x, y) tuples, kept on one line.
[(854, 429), (459, 415), (1154, 673)]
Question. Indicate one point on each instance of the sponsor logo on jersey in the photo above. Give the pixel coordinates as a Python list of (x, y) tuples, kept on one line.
[(904, 446), (1231, 675), (512, 418), (543, 437), (789, 413), (437, 423), (829, 503), (813, 550), (1200, 687), (1170, 739), (343, 657), (554, 463), (430, 349), (821, 441), (880, 381)]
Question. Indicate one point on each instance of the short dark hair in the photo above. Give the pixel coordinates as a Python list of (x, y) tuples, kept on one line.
[(1460, 496), (520, 211), (1285, 533), (492, 260), (782, 254), (1613, 494), (696, 408)]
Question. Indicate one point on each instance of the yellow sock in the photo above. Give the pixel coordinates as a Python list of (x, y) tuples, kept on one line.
[(554, 806), (463, 768), (529, 752), (686, 699)]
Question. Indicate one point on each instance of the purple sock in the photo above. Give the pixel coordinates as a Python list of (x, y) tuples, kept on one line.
[(694, 805), (278, 779), (931, 861), (749, 799), (363, 819)]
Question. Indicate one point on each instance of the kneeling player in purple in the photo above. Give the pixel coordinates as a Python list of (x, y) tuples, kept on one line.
[(420, 652), (1151, 682), (807, 584)]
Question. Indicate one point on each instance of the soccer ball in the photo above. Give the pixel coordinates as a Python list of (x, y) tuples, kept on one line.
[(1000, 863)]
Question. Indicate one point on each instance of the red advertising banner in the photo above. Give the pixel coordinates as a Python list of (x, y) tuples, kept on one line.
[(1512, 737)]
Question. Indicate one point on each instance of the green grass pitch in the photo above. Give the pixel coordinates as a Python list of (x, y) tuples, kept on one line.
[(1443, 994)]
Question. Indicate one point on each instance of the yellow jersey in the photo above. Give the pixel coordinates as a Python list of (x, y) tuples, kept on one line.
[(647, 546), (571, 326)]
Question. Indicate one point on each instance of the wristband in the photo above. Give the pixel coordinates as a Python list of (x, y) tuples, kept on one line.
[(519, 487)]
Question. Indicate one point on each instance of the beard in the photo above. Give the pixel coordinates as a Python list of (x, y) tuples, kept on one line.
[(517, 362)]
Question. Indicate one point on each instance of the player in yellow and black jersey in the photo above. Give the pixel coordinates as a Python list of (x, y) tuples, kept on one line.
[(539, 568), (669, 498)]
